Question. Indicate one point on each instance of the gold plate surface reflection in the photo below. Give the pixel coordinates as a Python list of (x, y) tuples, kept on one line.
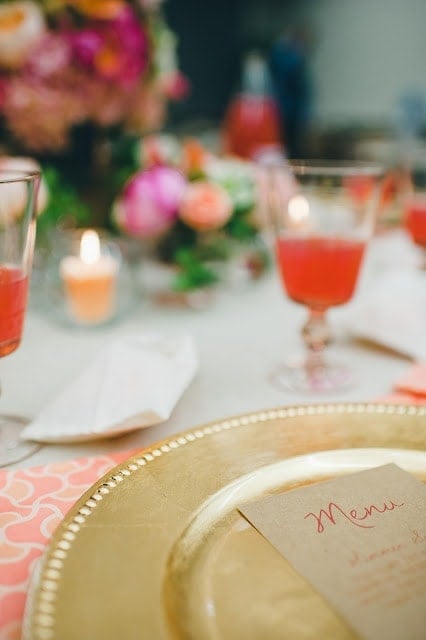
[(157, 550)]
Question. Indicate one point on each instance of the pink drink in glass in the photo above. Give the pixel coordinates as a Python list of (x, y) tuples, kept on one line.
[(319, 272), (13, 300), (415, 220)]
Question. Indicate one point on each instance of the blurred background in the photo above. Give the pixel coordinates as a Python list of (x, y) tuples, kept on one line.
[(126, 103), (361, 64)]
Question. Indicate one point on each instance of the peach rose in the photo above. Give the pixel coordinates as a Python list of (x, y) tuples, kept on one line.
[(205, 206), (13, 195), (21, 26)]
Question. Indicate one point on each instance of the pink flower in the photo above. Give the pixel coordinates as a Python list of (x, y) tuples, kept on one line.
[(51, 56), (175, 85), (115, 50), (40, 115), (206, 206), (3, 91), (106, 105), (96, 61), (150, 201)]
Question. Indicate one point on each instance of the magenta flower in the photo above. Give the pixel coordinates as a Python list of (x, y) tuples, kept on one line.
[(115, 50), (99, 62), (3, 91), (150, 201)]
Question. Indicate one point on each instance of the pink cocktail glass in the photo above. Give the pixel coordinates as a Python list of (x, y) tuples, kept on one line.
[(415, 221), (321, 228), (18, 195)]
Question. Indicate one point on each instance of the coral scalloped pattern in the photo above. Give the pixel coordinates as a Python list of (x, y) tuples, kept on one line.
[(32, 503)]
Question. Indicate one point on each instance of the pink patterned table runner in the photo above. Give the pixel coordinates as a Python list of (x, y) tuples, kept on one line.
[(32, 503)]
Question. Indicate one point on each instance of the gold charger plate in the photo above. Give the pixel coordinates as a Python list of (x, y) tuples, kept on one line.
[(157, 550)]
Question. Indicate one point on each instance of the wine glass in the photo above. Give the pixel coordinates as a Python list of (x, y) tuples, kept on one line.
[(18, 196), (323, 215), (415, 210)]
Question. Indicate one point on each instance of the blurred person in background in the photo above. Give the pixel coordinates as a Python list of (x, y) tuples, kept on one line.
[(288, 64)]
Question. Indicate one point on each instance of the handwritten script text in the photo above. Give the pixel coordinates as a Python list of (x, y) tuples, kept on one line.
[(334, 513)]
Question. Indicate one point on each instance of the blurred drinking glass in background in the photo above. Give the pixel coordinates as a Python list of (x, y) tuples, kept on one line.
[(18, 203), (415, 208)]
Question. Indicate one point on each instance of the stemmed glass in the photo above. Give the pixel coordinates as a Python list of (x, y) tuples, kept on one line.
[(18, 196), (323, 215)]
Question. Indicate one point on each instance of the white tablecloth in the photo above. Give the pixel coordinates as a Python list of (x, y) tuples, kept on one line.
[(239, 340)]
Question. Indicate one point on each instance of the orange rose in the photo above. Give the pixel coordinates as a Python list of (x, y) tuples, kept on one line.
[(103, 9), (205, 206), (194, 156)]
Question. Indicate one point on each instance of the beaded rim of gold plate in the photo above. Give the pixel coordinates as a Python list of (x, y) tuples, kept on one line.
[(43, 609)]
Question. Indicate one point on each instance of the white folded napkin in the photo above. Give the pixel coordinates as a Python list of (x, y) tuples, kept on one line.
[(393, 312), (135, 382)]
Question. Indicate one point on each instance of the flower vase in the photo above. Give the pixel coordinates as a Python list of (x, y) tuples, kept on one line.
[(248, 262), (157, 284), (159, 280)]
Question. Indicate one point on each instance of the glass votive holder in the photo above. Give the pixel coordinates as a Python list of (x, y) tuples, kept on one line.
[(88, 282)]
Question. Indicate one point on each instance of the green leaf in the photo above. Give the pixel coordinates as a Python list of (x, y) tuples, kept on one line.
[(64, 203), (193, 274), (241, 229), (214, 249), (179, 237), (188, 280)]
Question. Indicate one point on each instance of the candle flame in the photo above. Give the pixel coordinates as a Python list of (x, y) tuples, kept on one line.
[(298, 209), (90, 247)]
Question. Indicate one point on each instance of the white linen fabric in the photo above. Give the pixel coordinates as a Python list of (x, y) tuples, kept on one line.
[(135, 382), (392, 312)]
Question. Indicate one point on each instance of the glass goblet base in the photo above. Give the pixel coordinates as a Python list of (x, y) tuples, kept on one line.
[(326, 377), (12, 448)]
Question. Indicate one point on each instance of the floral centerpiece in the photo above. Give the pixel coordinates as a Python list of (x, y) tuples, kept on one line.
[(196, 210), (78, 72), (67, 62), (75, 74)]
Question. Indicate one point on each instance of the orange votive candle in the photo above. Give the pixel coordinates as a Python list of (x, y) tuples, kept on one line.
[(90, 282)]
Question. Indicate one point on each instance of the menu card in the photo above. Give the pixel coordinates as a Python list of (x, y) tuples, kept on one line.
[(360, 540)]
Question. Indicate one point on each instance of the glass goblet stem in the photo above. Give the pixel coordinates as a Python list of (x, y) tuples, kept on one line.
[(316, 336), (12, 448), (313, 373)]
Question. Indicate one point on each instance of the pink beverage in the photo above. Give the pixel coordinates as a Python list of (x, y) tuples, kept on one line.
[(415, 220), (13, 301), (319, 272)]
